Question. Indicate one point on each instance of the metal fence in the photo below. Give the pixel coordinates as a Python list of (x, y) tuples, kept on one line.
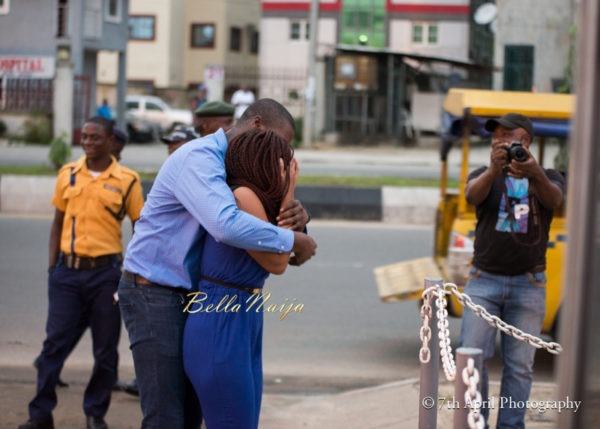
[(282, 84), (26, 94)]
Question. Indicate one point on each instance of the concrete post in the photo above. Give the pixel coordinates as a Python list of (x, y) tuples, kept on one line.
[(428, 392), (62, 105), (461, 411), (121, 91), (309, 92)]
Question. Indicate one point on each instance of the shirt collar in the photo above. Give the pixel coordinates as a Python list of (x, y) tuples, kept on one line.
[(221, 140), (113, 169)]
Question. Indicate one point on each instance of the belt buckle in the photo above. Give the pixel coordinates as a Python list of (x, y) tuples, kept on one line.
[(92, 262), (69, 261), (76, 262)]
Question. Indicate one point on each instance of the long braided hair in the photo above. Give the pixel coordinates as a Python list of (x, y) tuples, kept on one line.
[(252, 160)]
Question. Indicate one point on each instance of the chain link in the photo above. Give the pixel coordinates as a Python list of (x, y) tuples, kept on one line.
[(425, 332), (444, 337), (470, 377), (496, 322)]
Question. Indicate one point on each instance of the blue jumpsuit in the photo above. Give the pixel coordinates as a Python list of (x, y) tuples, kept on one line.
[(222, 350)]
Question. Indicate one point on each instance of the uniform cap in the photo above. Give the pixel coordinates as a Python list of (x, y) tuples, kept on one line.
[(180, 133), (215, 108), (511, 121), (119, 135)]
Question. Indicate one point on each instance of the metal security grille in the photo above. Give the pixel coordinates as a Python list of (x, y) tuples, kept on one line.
[(518, 67), (282, 84), (26, 94)]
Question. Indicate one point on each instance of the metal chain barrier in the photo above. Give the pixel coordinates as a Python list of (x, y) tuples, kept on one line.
[(470, 377), (444, 336), (425, 332), (496, 322)]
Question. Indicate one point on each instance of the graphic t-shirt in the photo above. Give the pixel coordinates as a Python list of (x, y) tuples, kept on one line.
[(512, 226)]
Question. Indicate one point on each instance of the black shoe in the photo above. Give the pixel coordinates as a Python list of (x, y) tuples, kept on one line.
[(131, 387), (38, 424), (95, 422)]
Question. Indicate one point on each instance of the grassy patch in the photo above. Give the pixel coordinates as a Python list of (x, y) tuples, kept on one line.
[(29, 170), (357, 182), (371, 182)]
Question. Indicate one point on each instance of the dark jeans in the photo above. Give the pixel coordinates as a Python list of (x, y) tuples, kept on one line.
[(154, 319), (75, 296)]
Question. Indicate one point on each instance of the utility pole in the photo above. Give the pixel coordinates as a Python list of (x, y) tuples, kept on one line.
[(308, 131)]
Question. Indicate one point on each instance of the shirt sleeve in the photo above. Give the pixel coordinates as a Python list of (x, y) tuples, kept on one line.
[(556, 178), (476, 173), (135, 200), (202, 190), (57, 200)]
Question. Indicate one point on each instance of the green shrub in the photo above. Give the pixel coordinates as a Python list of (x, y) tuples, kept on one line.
[(3, 128), (297, 140), (60, 151), (38, 128)]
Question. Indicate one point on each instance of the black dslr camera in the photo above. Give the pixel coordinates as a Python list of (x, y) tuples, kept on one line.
[(517, 152)]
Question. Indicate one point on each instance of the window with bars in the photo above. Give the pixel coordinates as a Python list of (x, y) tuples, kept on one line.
[(518, 67)]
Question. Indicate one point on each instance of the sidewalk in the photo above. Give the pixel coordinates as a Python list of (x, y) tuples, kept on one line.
[(392, 405)]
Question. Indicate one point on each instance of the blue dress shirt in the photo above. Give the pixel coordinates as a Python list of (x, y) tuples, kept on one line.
[(188, 198)]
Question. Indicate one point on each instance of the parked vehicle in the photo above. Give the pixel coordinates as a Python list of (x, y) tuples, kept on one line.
[(465, 113), (155, 110), (142, 131)]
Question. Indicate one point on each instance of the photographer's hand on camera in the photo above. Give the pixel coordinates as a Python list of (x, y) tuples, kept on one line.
[(498, 157), (478, 189), (528, 168)]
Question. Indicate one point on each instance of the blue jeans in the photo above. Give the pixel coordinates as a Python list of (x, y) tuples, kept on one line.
[(76, 299), (519, 301), (154, 319)]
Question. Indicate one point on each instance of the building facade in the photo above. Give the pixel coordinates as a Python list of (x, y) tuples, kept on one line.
[(174, 46), (434, 27), (59, 34), (431, 28), (532, 53)]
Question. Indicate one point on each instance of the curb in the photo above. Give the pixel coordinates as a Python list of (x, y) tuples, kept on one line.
[(32, 195)]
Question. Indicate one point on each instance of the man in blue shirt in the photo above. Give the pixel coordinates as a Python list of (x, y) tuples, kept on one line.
[(189, 198), (104, 110)]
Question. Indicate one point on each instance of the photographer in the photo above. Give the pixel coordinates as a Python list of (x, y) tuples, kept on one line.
[(515, 199)]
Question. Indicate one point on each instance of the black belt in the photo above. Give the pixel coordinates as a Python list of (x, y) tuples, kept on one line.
[(139, 280), (87, 263), (232, 285)]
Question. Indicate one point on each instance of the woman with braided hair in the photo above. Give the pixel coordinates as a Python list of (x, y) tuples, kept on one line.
[(222, 343)]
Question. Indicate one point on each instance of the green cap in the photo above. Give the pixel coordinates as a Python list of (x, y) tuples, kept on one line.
[(215, 108)]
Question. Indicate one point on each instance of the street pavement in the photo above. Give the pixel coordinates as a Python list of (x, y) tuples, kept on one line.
[(347, 361), (360, 161)]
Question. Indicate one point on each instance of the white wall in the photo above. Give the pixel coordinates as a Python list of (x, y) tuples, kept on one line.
[(542, 24), (149, 60), (453, 39), (278, 51)]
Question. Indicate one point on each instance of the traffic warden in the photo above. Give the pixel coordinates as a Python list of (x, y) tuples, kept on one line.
[(214, 115), (515, 199), (92, 196)]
